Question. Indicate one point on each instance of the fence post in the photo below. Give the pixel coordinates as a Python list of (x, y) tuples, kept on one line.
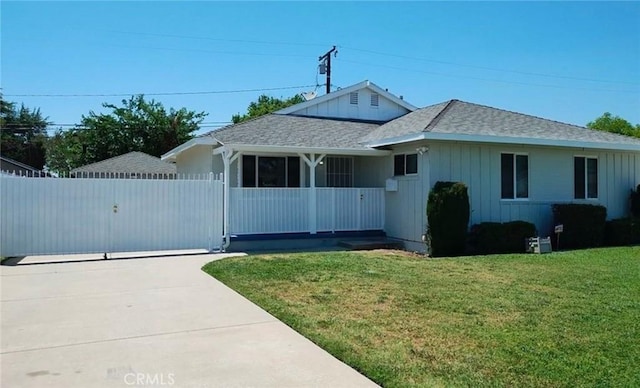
[(210, 192), (334, 210), (360, 202)]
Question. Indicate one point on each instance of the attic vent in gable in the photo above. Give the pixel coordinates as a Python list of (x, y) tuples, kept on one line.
[(374, 99), (353, 98)]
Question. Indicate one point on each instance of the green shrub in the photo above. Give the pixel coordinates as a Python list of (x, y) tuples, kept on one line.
[(485, 238), (448, 218), (583, 225), (622, 231), (515, 234), (493, 237), (635, 231), (635, 202)]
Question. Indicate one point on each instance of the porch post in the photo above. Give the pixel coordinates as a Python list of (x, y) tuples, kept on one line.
[(227, 158), (312, 162), (313, 207)]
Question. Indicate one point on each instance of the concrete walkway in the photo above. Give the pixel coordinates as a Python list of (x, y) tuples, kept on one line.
[(147, 322)]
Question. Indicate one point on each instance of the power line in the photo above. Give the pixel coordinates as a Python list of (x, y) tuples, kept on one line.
[(211, 51), (489, 79), (206, 124), (164, 94), (547, 75), (220, 39), (489, 68)]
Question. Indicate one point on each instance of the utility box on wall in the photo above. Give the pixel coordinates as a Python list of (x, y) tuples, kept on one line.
[(391, 185)]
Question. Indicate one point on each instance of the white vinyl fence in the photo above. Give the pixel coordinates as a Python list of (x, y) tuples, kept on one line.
[(288, 210), (66, 215)]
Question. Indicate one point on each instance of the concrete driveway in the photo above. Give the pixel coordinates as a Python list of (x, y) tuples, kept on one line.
[(148, 322)]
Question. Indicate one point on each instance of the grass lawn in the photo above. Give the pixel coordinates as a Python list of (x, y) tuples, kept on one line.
[(562, 319)]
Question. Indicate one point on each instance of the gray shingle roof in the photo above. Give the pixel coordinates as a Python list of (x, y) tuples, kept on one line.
[(133, 163), (407, 124), (296, 131), (459, 117)]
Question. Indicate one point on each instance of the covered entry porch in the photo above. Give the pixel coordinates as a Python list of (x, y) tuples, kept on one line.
[(287, 190)]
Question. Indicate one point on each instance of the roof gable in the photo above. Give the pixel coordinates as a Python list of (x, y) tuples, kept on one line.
[(409, 123), (338, 104)]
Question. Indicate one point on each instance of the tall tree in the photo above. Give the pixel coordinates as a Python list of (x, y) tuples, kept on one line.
[(265, 105), (23, 134), (137, 125), (615, 124)]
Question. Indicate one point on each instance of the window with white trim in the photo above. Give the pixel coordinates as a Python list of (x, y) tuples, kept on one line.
[(514, 176), (585, 177), (339, 171), (405, 164), (270, 171)]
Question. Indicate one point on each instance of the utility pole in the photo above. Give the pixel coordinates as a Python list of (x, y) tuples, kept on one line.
[(327, 65)]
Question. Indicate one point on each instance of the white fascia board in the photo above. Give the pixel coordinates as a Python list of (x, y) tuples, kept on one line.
[(505, 140), (204, 140), (397, 140), (303, 150)]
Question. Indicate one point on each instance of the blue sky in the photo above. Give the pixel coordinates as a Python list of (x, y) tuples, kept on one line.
[(566, 61)]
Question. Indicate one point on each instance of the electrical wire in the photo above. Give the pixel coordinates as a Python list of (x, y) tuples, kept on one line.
[(488, 79), (221, 39), (489, 68), (211, 51), (380, 53), (162, 94)]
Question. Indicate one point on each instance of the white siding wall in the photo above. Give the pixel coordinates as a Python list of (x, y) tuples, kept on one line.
[(550, 182), (371, 171), (405, 213), (341, 107), (195, 160)]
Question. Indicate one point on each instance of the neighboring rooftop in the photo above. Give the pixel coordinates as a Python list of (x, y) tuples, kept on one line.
[(463, 118), (131, 163), (13, 166), (296, 131)]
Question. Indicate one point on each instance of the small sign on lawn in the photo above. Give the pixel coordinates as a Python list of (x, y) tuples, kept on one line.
[(558, 229)]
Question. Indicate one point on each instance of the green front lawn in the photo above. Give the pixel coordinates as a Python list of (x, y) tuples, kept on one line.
[(562, 319)]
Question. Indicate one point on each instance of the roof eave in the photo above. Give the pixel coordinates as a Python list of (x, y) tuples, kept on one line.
[(505, 140), (302, 150), (396, 140)]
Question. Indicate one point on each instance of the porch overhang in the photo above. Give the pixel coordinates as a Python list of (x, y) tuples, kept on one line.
[(172, 154), (244, 148), (457, 137)]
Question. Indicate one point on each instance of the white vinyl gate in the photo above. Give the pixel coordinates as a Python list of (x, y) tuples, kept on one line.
[(66, 215)]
